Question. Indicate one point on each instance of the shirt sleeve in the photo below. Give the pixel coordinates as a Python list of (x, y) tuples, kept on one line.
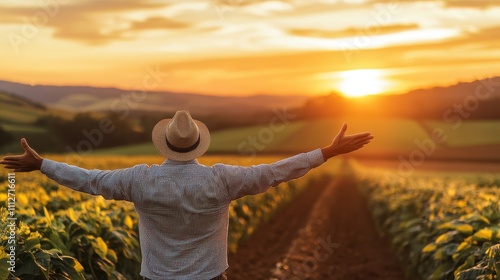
[(241, 181), (111, 184)]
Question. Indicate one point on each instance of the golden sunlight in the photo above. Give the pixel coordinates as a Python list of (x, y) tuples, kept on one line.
[(355, 83)]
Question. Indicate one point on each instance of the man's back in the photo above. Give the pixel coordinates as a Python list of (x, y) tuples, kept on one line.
[(183, 221)]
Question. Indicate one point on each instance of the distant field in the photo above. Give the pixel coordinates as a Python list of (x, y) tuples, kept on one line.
[(475, 140), (392, 138), (470, 133), (13, 113), (16, 128), (298, 136)]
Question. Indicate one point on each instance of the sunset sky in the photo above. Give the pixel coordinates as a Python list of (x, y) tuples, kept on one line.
[(245, 47)]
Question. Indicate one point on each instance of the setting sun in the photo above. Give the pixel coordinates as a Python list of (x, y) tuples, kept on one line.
[(355, 83)]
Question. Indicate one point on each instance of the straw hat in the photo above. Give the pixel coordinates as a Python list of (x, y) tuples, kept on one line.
[(181, 138)]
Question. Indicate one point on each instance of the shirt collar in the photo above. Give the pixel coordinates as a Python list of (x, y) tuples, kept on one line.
[(177, 162)]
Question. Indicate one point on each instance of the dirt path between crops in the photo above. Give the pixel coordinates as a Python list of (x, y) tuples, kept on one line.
[(326, 233)]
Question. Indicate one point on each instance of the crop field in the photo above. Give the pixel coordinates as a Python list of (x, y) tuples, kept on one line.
[(63, 234), (442, 225)]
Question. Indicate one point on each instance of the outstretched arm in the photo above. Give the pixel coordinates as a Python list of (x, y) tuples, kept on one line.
[(111, 184), (343, 144), (29, 161), (241, 181)]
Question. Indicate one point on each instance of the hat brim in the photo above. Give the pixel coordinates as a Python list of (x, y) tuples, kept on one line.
[(160, 142)]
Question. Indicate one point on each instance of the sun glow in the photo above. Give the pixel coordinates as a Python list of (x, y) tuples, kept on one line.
[(355, 83)]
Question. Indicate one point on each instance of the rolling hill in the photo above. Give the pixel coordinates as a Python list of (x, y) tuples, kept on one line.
[(92, 99), (18, 110), (18, 116)]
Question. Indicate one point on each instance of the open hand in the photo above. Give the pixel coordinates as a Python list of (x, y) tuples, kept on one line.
[(343, 144), (26, 162)]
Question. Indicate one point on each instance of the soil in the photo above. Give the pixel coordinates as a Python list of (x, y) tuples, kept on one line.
[(325, 233)]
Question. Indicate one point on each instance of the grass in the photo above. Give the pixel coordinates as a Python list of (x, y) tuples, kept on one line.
[(23, 128), (470, 133)]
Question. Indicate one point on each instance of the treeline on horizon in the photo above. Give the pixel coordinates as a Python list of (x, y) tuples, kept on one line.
[(64, 134), (407, 106)]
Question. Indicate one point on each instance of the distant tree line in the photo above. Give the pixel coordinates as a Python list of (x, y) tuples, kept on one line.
[(103, 132), (414, 106), (5, 137)]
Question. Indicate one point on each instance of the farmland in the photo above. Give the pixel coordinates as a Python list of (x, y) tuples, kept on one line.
[(442, 225), (79, 236)]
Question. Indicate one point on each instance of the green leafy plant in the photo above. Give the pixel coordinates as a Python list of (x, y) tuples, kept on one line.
[(30, 259), (441, 226)]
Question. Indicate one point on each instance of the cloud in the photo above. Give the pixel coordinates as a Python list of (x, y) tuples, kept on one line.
[(486, 38), (267, 8), (349, 32), (480, 4), (323, 61), (158, 23), (486, 34), (93, 22)]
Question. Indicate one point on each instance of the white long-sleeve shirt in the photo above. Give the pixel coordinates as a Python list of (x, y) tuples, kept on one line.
[(182, 206)]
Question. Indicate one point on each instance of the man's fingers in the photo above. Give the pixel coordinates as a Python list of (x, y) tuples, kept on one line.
[(26, 147), (361, 134), (8, 162), (11, 158), (18, 167), (343, 130), (362, 140)]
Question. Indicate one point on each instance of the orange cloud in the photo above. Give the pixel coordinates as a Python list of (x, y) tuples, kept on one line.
[(482, 4), (93, 22), (158, 23), (349, 32), (479, 4)]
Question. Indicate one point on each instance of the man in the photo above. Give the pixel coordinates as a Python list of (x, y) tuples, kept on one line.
[(183, 205)]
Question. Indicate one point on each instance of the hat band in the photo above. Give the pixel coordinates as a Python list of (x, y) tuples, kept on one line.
[(184, 150)]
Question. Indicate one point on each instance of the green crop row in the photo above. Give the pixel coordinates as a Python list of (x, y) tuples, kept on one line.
[(442, 225), (63, 234)]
